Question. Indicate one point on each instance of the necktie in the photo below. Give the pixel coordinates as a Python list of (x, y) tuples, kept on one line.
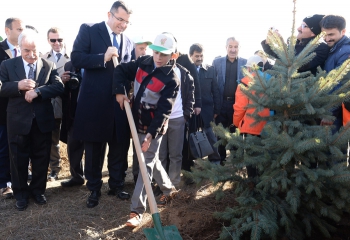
[(115, 43), (31, 71), (58, 56), (15, 49)]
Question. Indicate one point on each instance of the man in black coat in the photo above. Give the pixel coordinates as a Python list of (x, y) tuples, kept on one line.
[(75, 147), (29, 82), (8, 49), (210, 96), (307, 31), (98, 118)]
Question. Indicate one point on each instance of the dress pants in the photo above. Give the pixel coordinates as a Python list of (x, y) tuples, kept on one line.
[(117, 161), (5, 175), (35, 146), (139, 197), (75, 151), (55, 158), (226, 119), (170, 151), (187, 158)]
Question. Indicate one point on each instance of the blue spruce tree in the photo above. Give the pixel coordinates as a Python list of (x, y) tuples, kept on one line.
[(303, 185)]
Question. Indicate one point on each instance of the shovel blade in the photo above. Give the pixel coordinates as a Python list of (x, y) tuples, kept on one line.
[(170, 233)]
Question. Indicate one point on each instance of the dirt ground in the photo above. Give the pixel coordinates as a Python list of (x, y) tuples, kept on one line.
[(66, 216)]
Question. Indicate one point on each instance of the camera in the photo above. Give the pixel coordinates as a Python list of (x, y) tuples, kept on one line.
[(75, 78)]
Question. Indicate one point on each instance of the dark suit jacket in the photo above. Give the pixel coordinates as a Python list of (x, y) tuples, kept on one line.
[(19, 111), (210, 93), (220, 68), (4, 55), (185, 61), (69, 104), (97, 110)]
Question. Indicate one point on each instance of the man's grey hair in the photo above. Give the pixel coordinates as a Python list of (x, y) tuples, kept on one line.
[(231, 38), (28, 35)]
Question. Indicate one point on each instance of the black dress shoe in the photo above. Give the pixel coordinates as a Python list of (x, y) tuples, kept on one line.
[(21, 204), (92, 200), (119, 193), (40, 199), (71, 183)]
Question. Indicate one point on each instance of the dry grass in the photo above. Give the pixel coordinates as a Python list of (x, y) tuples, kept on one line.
[(66, 217)]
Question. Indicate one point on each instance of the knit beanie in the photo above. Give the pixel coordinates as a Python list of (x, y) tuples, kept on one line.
[(313, 22)]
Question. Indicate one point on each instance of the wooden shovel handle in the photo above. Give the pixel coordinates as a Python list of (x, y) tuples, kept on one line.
[(151, 200)]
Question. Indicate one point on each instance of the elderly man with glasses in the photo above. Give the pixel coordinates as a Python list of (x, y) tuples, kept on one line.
[(307, 31), (98, 118)]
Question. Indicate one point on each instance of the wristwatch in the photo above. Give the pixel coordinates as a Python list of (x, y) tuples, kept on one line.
[(37, 91)]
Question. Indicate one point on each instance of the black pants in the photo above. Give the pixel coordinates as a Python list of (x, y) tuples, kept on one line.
[(75, 150), (55, 158), (226, 119), (35, 146), (5, 173), (117, 162)]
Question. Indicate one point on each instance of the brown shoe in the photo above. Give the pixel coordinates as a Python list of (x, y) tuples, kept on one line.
[(134, 220), (7, 192), (164, 200)]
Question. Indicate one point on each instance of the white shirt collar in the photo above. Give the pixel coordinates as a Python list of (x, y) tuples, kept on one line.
[(11, 47), (111, 35), (26, 63), (26, 67), (63, 52)]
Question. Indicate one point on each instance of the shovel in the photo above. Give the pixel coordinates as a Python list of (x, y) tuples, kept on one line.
[(158, 232)]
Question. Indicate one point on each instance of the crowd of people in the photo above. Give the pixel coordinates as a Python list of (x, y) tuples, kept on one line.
[(78, 98)]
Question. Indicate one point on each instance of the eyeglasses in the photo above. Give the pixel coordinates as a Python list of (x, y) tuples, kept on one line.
[(58, 40), (121, 20), (304, 26)]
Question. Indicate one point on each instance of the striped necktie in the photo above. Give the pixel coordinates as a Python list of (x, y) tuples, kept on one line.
[(31, 71)]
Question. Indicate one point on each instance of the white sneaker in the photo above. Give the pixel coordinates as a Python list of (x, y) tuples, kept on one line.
[(134, 221)]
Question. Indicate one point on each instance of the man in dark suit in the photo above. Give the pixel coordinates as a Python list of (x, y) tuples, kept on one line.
[(99, 119), (229, 73), (29, 82), (210, 97), (75, 147), (8, 49)]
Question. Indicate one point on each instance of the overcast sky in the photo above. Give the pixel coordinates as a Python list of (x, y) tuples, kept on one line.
[(207, 22)]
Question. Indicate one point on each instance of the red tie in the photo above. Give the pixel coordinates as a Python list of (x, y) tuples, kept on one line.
[(15, 49)]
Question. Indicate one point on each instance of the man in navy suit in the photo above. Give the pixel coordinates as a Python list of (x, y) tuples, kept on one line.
[(8, 49), (99, 119), (229, 74)]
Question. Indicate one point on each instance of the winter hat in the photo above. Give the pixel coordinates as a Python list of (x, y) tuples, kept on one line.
[(313, 22), (164, 43), (253, 60)]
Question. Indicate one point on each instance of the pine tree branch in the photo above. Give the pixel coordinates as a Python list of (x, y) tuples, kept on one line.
[(346, 128)]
